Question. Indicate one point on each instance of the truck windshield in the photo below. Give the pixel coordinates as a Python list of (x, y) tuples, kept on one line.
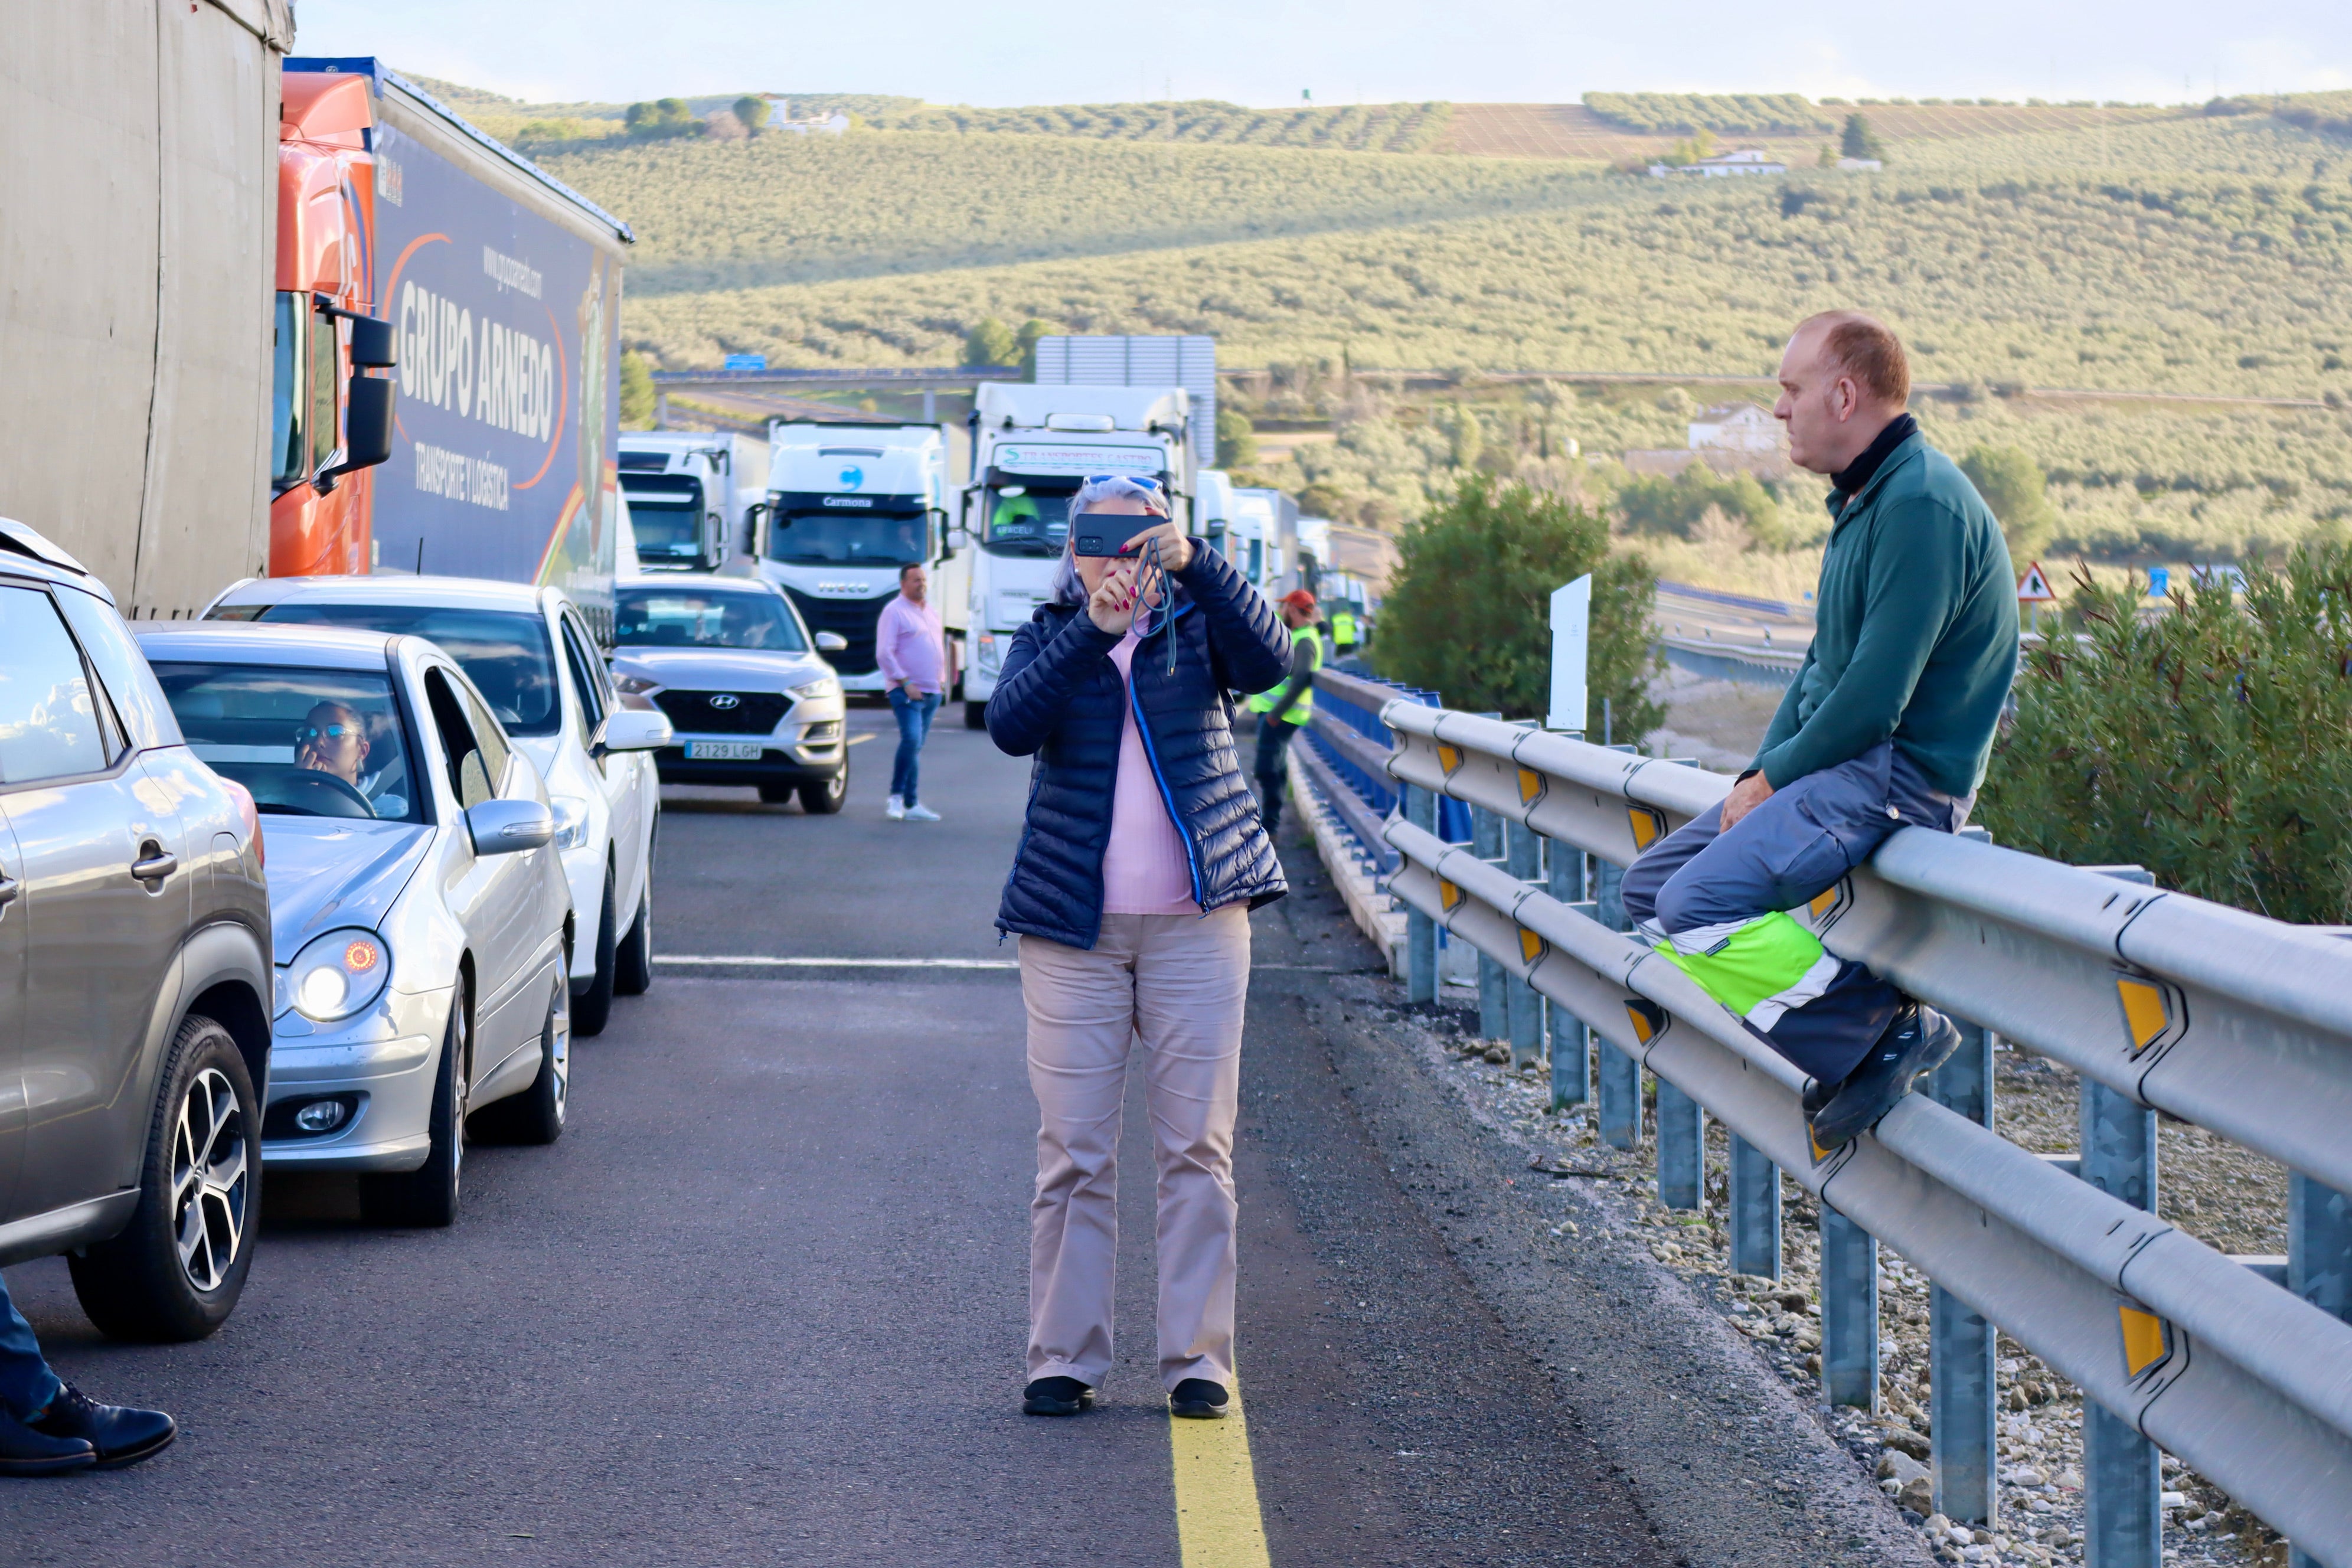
[(820, 538), (665, 510), (504, 652), (707, 617), (1026, 521), (307, 743)]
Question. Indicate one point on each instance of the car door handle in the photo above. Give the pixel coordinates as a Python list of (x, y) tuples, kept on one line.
[(155, 864), (9, 889)]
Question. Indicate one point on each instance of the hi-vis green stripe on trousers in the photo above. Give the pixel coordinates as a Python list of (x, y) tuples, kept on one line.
[(1713, 903)]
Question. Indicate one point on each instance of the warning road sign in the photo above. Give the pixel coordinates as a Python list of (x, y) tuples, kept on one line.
[(2035, 588)]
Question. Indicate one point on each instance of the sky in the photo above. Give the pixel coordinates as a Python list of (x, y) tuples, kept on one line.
[(1268, 52)]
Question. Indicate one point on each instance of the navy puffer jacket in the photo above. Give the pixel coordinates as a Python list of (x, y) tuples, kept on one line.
[(1060, 697)]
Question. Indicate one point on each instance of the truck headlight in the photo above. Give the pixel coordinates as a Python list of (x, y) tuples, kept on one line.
[(335, 976), (825, 685), (571, 820)]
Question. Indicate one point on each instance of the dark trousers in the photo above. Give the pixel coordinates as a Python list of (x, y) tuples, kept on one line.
[(1711, 902), (914, 715), (1273, 765), (26, 1383)]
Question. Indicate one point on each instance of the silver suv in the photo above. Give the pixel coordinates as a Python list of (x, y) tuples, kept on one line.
[(135, 976)]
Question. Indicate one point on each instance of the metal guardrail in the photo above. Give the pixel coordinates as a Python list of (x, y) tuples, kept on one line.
[(2239, 1023), (1733, 661)]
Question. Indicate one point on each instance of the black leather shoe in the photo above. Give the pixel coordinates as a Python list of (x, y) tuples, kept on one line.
[(1915, 1044), (1817, 1095), (25, 1451), (1198, 1399), (1056, 1397), (121, 1434)]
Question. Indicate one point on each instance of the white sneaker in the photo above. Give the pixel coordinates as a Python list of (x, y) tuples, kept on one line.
[(895, 808), (920, 814)]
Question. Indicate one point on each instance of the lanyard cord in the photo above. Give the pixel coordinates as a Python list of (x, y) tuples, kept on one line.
[(1163, 619)]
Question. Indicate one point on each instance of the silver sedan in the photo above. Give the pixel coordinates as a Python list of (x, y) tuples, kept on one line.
[(421, 916)]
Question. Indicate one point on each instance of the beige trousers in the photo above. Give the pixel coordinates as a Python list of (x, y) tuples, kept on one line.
[(1177, 982)]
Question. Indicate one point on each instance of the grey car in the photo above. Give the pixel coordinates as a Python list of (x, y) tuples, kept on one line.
[(422, 918), (134, 971)]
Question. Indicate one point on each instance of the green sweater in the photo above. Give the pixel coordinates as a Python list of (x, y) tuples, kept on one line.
[(1916, 630)]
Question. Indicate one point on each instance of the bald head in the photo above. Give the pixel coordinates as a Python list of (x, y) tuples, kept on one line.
[(1843, 378)]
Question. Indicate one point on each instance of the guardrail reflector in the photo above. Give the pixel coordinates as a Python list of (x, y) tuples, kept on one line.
[(1824, 902), (2151, 1010), (2147, 1339), (1531, 946), (1648, 1021), (1448, 895), (1531, 786), (1648, 826), (1448, 757)]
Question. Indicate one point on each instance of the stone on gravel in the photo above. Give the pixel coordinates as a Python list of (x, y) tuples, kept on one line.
[(1906, 1440), (1897, 1464)]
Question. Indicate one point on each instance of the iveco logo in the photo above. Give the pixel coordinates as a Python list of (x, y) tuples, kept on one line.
[(726, 700), (852, 589)]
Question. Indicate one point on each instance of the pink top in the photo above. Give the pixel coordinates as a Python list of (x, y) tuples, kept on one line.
[(1145, 871), (910, 645)]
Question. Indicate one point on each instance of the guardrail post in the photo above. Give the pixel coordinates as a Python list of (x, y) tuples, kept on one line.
[(1619, 1074), (1570, 1043), (1522, 1002), (2318, 1262), (1754, 1211), (1420, 931), (1682, 1149), (1486, 842), (1849, 1312), (1962, 1345)]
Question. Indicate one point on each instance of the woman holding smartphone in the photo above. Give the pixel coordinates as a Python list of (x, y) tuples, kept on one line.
[(1130, 894)]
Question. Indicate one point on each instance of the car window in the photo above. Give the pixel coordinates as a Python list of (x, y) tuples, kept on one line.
[(139, 701), (587, 679), (707, 617), (490, 739), (505, 652), (307, 743), (49, 725), (468, 776)]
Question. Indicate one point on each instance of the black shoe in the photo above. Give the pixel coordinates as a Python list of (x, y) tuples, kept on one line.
[(121, 1434), (1056, 1397), (1198, 1399), (1915, 1044), (1817, 1095), (25, 1451)]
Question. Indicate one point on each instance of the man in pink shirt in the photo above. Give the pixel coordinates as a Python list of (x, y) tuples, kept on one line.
[(910, 646)]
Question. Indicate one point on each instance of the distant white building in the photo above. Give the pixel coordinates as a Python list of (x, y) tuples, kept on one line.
[(833, 124), (1746, 161), (1861, 166), (1735, 428)]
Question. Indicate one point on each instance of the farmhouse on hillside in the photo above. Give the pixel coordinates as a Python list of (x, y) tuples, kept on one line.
[(1746, 161), (1735, 428)]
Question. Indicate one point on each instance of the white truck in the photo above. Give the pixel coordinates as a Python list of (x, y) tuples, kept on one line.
[(691, 496), (848, 505), (1031, 448), (1262, 540)]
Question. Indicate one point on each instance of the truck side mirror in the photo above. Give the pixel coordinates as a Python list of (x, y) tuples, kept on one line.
[(367, 427), (374, 346)]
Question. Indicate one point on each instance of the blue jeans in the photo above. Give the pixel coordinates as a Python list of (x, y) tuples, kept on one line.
[(914, 727), (26, 1383)]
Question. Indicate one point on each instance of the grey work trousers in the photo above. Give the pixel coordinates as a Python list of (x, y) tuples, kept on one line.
[(1177, 984)]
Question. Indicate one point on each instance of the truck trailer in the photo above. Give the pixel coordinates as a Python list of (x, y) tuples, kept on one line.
[(502, 288)]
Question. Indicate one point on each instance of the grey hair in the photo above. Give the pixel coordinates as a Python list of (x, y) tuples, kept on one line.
[(1067, 587)]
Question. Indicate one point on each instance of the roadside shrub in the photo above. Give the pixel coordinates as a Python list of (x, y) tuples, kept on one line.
[(1468, 611), (2212, 744), (2015, 488), (1236, 438), (636, 391)]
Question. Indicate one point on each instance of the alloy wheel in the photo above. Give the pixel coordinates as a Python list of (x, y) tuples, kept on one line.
[(211, 1179), (559, 1047)]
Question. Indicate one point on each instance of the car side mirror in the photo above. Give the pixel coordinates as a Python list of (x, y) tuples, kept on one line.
[(832, 642), (505, 826), (634, 730)]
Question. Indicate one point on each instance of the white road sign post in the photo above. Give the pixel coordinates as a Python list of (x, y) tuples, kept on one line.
[(1572, 629)]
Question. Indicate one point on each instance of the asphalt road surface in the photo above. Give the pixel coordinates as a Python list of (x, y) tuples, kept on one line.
[(765, 1301)]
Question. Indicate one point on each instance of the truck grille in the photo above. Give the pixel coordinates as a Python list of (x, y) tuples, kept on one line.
[(853, 618), (735, 714)]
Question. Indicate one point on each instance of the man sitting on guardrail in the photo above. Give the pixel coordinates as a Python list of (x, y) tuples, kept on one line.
[(1888, 723)]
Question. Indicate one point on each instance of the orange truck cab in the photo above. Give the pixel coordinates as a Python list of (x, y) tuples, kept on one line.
[(330, 422)]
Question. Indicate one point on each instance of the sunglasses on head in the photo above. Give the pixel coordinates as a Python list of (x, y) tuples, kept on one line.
[(1128, 478), (326, 732)]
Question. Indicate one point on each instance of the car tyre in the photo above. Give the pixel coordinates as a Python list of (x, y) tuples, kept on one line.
[(975, 715), (776, 793), (633, 962), (175, 1271), (593, 1008), (427, 1195), (537, 1115), (825, 796)]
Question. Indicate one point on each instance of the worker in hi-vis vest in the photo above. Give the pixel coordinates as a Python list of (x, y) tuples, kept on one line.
[(1344, 637), (1282, 709)]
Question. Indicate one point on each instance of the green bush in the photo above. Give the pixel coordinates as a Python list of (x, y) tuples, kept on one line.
[(1236, 439), (991, 343), (2212, 745), (636, 391), (1674, 505), (2014, 486), (1468, 611), (1860, 141), (752, 111), (661, 119)]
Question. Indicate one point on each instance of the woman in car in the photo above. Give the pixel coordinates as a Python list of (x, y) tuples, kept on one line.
[(1130, 895)]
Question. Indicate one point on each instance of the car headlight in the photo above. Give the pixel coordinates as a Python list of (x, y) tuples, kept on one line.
[(825, 685), (634, 685), (335, 976), (571, 820)]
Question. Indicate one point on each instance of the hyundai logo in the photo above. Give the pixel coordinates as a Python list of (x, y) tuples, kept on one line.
[(726, 700)]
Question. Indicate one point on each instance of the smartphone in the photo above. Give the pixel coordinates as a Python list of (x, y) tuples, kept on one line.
[(1106, 532)]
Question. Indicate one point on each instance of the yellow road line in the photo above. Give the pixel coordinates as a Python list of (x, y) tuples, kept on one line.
[(1217, 1519)]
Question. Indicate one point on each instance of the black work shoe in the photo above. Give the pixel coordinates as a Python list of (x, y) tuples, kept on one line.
[(1056, 1397), (1915, 1044), (25, 1451), (1817, 1095), (121, 1434), (1198, 1399)]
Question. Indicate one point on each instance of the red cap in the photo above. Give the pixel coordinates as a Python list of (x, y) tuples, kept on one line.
[(1300, 599)]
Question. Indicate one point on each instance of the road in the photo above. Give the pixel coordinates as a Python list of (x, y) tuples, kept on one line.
[(764, 1303)]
